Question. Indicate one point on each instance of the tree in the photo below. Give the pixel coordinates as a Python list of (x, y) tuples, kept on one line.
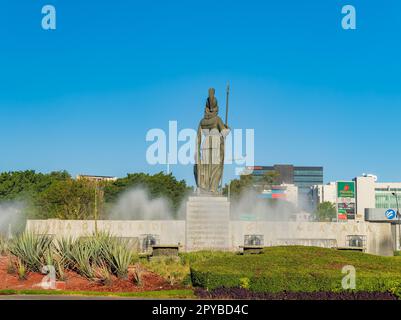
[(25, 187), (57, 195), (270, 178), (27, 184), (238, 186), (326, 211), (69, 199), (158, 185)]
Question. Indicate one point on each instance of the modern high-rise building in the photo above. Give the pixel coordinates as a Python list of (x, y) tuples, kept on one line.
[(304, 177)]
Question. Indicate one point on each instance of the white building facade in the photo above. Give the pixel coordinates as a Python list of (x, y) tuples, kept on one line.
[(374, 201)]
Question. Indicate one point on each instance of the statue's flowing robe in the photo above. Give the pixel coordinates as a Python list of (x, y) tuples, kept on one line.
[(210, 154)]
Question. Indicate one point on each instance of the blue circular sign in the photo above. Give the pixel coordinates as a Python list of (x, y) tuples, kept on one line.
[(390, 214)]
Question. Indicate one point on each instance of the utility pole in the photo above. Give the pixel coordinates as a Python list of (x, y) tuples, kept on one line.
[(168, 163), (96, 208), (229, 184), (399, 218)]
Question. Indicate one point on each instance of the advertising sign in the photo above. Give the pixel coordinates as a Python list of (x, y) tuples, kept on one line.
[(381, 215), (345, 200), (390, 214), (346, 189), (347, 210)]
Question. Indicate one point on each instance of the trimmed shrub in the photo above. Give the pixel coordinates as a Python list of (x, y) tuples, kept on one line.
[(298, 269)]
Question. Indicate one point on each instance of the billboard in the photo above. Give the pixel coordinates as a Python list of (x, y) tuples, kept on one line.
[(345, 200), (345, 189), (381, 215), (346, 211)]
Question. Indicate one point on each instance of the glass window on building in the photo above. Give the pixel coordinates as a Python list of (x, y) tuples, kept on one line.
[(308, 173), (385, 199)]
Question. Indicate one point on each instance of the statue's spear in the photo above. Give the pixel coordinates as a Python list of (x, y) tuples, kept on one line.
[(227, 95)]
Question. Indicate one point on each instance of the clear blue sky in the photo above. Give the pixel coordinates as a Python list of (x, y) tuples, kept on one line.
[(82, 97)]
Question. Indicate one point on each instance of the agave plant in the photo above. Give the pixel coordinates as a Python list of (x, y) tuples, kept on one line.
[(3, 246), (101, 244), (63, 248), (21, 269), (11, 269), (103, 274), (138, 274), (60, 271), (31, 249), (119, 257), (95, 257), (82, 256)]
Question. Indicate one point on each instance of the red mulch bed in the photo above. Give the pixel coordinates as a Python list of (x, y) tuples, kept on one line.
[(75, 282)]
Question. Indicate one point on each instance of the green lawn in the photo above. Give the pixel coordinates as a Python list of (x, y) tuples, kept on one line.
[(298, 269)]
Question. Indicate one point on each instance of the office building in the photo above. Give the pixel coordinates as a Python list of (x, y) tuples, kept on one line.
[(303, 177)]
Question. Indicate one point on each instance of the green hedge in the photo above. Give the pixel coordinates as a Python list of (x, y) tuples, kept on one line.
[(298, 269)]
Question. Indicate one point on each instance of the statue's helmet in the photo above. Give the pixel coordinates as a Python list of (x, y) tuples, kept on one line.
[(211, 102), (211, 92)]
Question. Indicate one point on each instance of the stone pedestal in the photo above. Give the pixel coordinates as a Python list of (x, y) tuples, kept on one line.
[(207, 223)]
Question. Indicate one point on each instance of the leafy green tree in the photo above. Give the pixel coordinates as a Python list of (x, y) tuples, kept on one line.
[(158, 185), (68, 199), (238, 186), (270, 178), (326, 211), (57, 195), (27, 184), (19, 195)]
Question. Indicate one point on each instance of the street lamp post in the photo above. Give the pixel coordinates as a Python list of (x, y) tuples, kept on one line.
[(99, 196), (399, 217), (95, 208), (229, 184)]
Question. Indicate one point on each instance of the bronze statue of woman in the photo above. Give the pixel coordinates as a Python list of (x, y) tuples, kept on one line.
[(208, 169)]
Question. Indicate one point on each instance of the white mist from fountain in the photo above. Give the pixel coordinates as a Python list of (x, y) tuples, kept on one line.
[(137, 204), (248, 205), (11, 215)]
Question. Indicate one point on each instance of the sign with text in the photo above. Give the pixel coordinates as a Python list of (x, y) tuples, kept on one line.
[(346, 189), (347, 210), (346, 200)]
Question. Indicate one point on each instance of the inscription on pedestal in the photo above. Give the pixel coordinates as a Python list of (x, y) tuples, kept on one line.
[(207, 223)]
